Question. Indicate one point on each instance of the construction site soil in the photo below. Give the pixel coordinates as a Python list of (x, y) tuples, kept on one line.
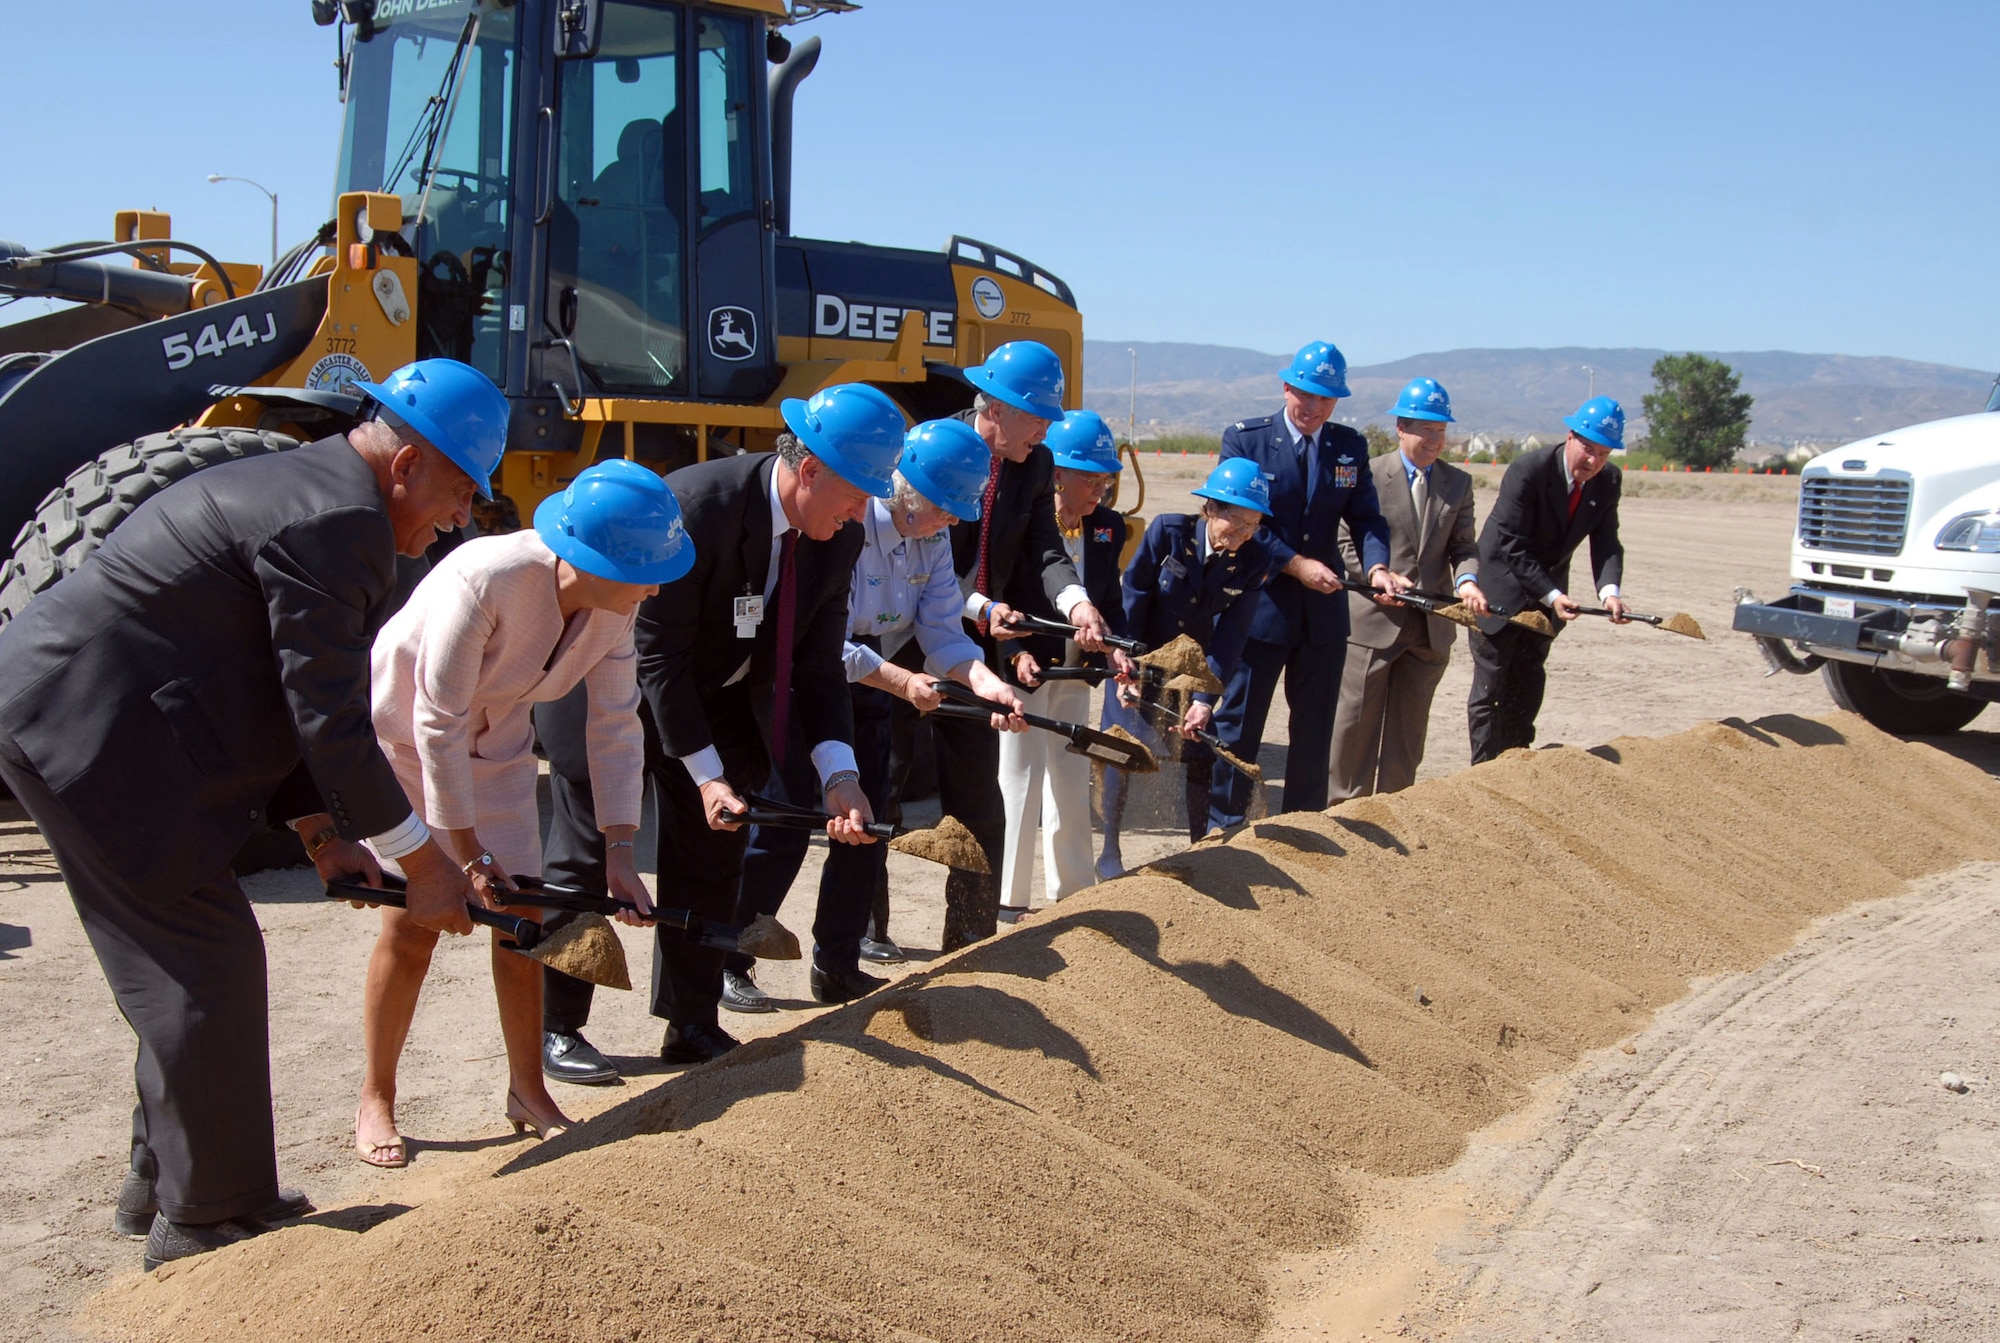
[(1635, 1042)]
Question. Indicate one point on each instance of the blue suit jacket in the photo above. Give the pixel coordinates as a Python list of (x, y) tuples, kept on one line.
[(1169, 590), (1287, 611)]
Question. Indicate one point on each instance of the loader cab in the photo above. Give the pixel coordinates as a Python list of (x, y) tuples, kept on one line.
[(594, 219)]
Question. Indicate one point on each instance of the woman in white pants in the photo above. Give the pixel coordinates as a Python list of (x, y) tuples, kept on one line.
[(1045, 788)]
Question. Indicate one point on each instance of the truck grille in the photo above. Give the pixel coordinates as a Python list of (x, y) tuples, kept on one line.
[(1866, 517)]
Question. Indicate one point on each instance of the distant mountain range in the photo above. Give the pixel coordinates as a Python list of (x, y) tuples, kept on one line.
[(1826, 398)]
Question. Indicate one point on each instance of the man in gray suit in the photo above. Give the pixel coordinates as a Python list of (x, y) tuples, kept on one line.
[(1396, 655), (204, 669)]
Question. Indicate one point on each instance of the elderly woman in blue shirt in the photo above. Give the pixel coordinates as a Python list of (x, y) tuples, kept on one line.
[(905, 601)]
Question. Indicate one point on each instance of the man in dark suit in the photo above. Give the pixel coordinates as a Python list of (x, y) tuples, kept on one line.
[(748, 642), (1396, 655), (204, 669), (1550, 500), (1018, 395), (1318, 479)]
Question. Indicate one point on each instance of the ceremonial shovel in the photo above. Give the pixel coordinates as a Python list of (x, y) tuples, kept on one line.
[(1680, 622), (948, 842), (1447, 607), (1124, 752), (1023, 621)]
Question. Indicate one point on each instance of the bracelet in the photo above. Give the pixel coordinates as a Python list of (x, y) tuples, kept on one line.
[(619, 844), (324, 836), (485, 860), (839, 777)]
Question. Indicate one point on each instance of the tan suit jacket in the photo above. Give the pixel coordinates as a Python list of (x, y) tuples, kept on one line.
[(1448, 553)]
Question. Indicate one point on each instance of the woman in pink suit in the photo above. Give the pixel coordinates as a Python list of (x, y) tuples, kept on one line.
[(503, 623)]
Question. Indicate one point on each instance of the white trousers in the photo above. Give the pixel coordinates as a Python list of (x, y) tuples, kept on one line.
[(1047, 789)]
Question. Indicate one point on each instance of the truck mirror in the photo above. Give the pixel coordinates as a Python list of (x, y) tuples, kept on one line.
[(578, 25)]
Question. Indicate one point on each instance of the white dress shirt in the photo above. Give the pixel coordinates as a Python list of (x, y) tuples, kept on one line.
[(904, 587), (1609, 590)]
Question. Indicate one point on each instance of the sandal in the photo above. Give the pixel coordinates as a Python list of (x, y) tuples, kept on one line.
[(391, 1155), (525, 1121)]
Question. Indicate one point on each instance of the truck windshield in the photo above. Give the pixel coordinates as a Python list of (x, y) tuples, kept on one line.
[(415, 91)]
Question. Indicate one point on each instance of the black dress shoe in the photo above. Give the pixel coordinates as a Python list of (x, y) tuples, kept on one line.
[(695, 1042), (842, 986), (571, 1058), (137, 1207), (741, 994), (168, 1241), (883, 952)]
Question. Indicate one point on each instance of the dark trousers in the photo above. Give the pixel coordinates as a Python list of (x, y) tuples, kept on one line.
[(853, 873), (1509, 675), (968, 773), (698, 868), (1311, 673), (187, 969)]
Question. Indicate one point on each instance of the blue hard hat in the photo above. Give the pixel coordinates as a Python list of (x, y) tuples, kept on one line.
[(1424, 399), (1601, 420), (619, 521), (1318, 368), (853, 428), (948, 463), (454, 407), (1237, 481), (1026, 375), (1082, 441)]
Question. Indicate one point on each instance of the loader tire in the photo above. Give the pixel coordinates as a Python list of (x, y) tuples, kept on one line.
[(1900, 702), (78, 514)]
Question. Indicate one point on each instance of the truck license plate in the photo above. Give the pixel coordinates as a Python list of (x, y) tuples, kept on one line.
[(1840, 608)]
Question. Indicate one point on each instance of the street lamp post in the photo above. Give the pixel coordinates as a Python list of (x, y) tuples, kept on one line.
[(1132, 406), (224, 177), (1592, 395)]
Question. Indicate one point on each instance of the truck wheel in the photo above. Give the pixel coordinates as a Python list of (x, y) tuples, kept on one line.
[(1900, 702), (78, 514)]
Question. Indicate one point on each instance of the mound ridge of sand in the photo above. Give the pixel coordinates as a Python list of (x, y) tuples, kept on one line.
[(1108, 1123)]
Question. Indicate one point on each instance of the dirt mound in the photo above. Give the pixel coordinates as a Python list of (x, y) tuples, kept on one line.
[(1108, 1123)]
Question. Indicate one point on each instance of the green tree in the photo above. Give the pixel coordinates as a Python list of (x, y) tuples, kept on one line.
[(1696, 415), (1381, 442)]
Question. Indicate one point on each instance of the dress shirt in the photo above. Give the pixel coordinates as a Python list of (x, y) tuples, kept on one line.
[(1410, 471), (904, 587), (1609, 590), (828, 757), (1066, 601)]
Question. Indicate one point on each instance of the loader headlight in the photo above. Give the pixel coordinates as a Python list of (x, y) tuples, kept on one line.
[(1976, 532)]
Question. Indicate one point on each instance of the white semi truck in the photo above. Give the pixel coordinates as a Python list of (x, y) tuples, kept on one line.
[(1895, 574)]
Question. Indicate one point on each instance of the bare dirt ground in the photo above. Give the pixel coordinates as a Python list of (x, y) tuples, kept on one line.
[(1549, 1195)]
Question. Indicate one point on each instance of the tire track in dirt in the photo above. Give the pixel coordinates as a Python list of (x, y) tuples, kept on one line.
[(1779, 1160)]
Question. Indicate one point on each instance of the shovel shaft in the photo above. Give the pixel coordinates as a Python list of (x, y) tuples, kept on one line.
[(1024, 621), (794, 820), (1629, 615), (525, 932)]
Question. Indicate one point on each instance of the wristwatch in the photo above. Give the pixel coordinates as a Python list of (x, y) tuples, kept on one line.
[(320, 838)]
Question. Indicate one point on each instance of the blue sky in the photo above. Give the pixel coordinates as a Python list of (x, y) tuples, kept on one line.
[(1396, 178)]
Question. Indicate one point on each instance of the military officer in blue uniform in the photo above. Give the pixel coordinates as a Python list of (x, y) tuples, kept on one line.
[(1196, 574), (1319, 481)]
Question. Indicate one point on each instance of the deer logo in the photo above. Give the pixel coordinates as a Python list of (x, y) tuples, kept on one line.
[(732, 333)]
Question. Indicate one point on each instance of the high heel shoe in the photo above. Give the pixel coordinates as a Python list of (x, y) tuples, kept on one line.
[(525, 1122)]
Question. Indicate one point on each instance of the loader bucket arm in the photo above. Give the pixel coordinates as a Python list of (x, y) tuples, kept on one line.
[(120, 386)]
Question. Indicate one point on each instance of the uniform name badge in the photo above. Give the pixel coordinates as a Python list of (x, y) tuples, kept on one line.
[(749, 615), (1174, 567)]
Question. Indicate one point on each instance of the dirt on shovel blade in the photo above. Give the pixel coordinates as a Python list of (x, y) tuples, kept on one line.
[(1143, 761), (1204, 684), (948, 842), (1459, 614), (584, 947), (768, 940), (1680, 622), (1182, 656)]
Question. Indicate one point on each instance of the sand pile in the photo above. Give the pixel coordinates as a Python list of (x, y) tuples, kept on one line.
[(1107, 1123)]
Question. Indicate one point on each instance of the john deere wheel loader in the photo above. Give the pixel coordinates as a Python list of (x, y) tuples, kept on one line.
[(589, 200)]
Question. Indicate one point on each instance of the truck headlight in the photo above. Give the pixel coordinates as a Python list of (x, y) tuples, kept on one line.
[(1976, 532)]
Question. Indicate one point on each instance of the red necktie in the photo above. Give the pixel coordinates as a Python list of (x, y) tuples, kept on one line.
[(983, 572), (1575, 497), (787, 595)]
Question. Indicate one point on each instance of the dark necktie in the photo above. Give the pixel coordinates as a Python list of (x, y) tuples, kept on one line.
[(982, 578), (787, 598), (1306, 466), (1575, 498)]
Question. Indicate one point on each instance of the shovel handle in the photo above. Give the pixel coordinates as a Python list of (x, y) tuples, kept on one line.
[(525, 932), (1023, 621), (1629, 615)]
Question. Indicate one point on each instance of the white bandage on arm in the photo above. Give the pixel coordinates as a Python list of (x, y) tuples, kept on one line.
[(406, 838)]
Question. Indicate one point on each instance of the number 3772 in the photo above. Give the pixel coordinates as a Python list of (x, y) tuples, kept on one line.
[(180, 351)]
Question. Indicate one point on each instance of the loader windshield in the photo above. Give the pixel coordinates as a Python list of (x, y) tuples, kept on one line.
[(430, 104)]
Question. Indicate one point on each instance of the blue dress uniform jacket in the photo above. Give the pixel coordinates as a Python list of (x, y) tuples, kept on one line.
[(1171, 590), (1344, 491), (1104, 531)]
